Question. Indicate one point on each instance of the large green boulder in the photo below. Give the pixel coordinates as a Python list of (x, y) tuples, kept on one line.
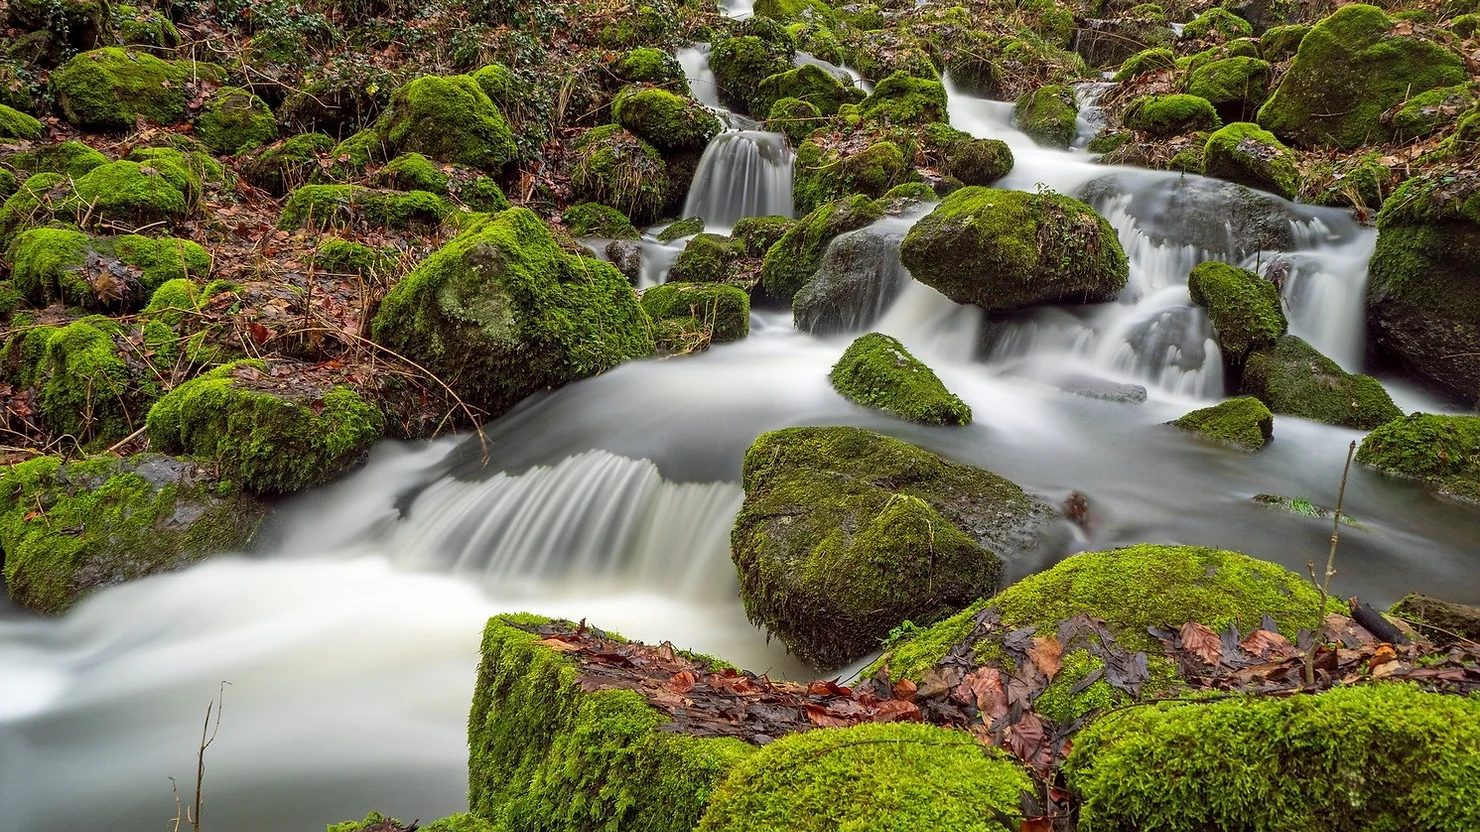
[(84, 387), (1244, 307), (825, 172), (811, 84), (502, 311), (845, 532), (547, 755), (1235, 86), (980, 161), (235, 120), (793, 259), (794, 118), (741, 63), (57, 264), (1423, 299), (129, 193), (1049, 115), (877, 371), (450, 119), (67, 528), (616, 168), (15, 124), (1407, 760), (666, 121), (1164, 116), (707, 258), (1005, 250), (1295, 379), (904, 99), (1241, 152), (1350, 69), (1244, 423), (111, 88), (1443, 451)]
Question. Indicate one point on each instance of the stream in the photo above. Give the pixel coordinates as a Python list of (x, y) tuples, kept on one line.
[(349, 636)]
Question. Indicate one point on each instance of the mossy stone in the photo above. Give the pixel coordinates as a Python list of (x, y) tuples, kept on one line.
[(904, 99), (1244, 307), (15, 124), (616, 168), (1164, 116), (80, 24), (592, 219), (678, 229), (823, 173), (55, 264), (877, 371), (702, 313), (129, 193), (1427, 113), (148, 28), (280, 167), (1443, 451), (741, 63), (72, 158), (755, 235), (667, 121), (794, 118), (792, 260), (1236, 86), (810, 83), (235, 120), (646, 65), (413, 172), (1049, 115), (1242, 152), (707, 258), (110, 88), (1218, 23), (1244, 423), (1147, 60), (86, 389), (980, 161), (1280, 43), (333, 206), (1295, 379), (1005, 250), (450, 119)]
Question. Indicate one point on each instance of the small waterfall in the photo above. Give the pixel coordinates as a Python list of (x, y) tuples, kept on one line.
[(1091, 118), (595, 518), (859, 277), (743, 173), (695, 62), (1325, 294), (847, 74)]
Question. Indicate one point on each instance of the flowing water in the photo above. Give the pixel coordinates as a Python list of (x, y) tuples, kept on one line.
[(349, 637)]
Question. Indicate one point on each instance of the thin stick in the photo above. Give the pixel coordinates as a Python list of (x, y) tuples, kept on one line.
[(125, 440), (1336, 522)]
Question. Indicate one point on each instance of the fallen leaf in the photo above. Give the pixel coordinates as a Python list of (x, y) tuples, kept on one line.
[(559, 645), (897, 710), (683, 681), (1265, 644), (1201, 641), (1046, 654)]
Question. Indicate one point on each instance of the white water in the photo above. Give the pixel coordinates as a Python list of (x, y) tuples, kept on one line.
[(743, 173), (350, 638)]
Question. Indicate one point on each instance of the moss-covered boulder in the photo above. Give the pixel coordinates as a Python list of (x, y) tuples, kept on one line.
[(1241, 152), (811, 84), (591, 219), (502, 311), (980, 161), (84, 386), (1235, 86), (1244, 423), (1164, 116), (877, 371), (1443, 451), (707, 258), (903, 99), (1351, 68), (794, 258), (1428, 113), (824, 172), (79, 24), (71, 158), (616, 168), (1218, 24), (1147, 60), (1442, 622), (56, 264), (15, 124), (235, 120), (667, 121), (678, 229), (1423, 299), (1049, 115), (646, 65), (1267, 763), (897, 776), (688, 317), (756, 235), (794, 118), (1280, 43), (282, 166), (1295, 379), (413, 172), (450, 119), (67, 528), (741, 63), (334, 206), (127, 193), (543, 754), (111, 88), (265, 437), (845, 532), (1244, 307), (1005, 250)]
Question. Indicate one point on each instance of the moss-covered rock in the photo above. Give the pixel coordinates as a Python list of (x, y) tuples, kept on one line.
[(413, 172), (55, 264), (1427, 113), (356, 153), (450, 119), (1443, 451), (79, 24), (129, 193), (266, 438), (15, 124), (1164, 116), (1280, 43), (1049, 115), (503, 311), (616, 168), (111, 88), (84, 386), (688, 317), (331, 206), (897, 776), (1242, 152), (545, 755), (810, 83), (646, 65), (755, 235), (1244, 307), (71, 158), (148, 28), (794, 118), (235, 120), (1295, 379), (1235, 86), (1218, 24), (591, 219), (1004, 250), (845, 532), (1442, 622), (877, 371), (1359, 181), (677, 230), (980, 161), (707, 258), (280, 167), (740, 64), (1266, 763), (667, 121), (1350, 69), (794, 258), (823, 173), (1243, 423), (1147, 60), (67, 528), (33, 203), (1423, 301), (903, 99)]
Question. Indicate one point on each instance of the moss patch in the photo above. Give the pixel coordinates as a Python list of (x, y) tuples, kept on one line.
[(1443, 451), (1244, 307), (1164, 116), (616, 168), (1049, 115), (54, 264), (690, 317), (822, 174), (904, 99), (1241, 152), (591, 219), (329, 206), (450, 119), (1295, 379), (235, 120), (1244, 423), (667, 121), (877, 371), (109, 88)]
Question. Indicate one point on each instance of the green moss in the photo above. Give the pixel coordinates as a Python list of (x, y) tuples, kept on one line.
[(54, 264), (350, 257), (1405, 759), (127, 193), (666, 121), (326, 206), (235, 120), (1465, 25), (502, 311), (1049, 115), (646, 65), (877, 371), (591, 219), (1244, 423), (279, 168), (882, 777), (73, 23), (413, 172), (1108, 142), (822, 174), (755, 235), (845, 532), (69, 527), (615, 168), (1218, 23), (1164, 116), (1358, 181), (795, 257), (903, 99), (450, 119), (1350, 69), (171, 300), (544, 755), (789, 10), (71, 158), (1236, 85), (15, 124), (715, 313), (33, 203), (1295, 379), (1244, 307), (148, 28), (980, 161), (1281, 42), (810, 83), (86, 390), (793, 117), (267, 442), (110, 88), (1440, 450), (1147, 60), (1427, 113), (1006, 250), (351, 156), (1241, 152), (741, 63), (707, 258)]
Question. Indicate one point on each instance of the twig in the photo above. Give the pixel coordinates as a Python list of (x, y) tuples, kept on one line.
[(125, 440), (1324, 586)]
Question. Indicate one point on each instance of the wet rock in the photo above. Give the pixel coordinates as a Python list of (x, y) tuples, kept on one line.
[(1244, 423), (1244, 307), (1295, 379), (1243, 153), (1099, 388), (1218, 217), (1442, 622), (626, 255), (859, 277), (794, 258), (1442, 451), (877, 371)]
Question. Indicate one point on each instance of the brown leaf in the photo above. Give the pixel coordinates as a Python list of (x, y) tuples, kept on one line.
[(683, 681), (825, 718), (559, 645), (1201, 641), (1028, 738), (1265, 645), (905, 690), (1046, 654), (983, 688), (897, 710)]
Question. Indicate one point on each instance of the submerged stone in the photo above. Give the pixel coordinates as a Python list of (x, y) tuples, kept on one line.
[(1442, 451)]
